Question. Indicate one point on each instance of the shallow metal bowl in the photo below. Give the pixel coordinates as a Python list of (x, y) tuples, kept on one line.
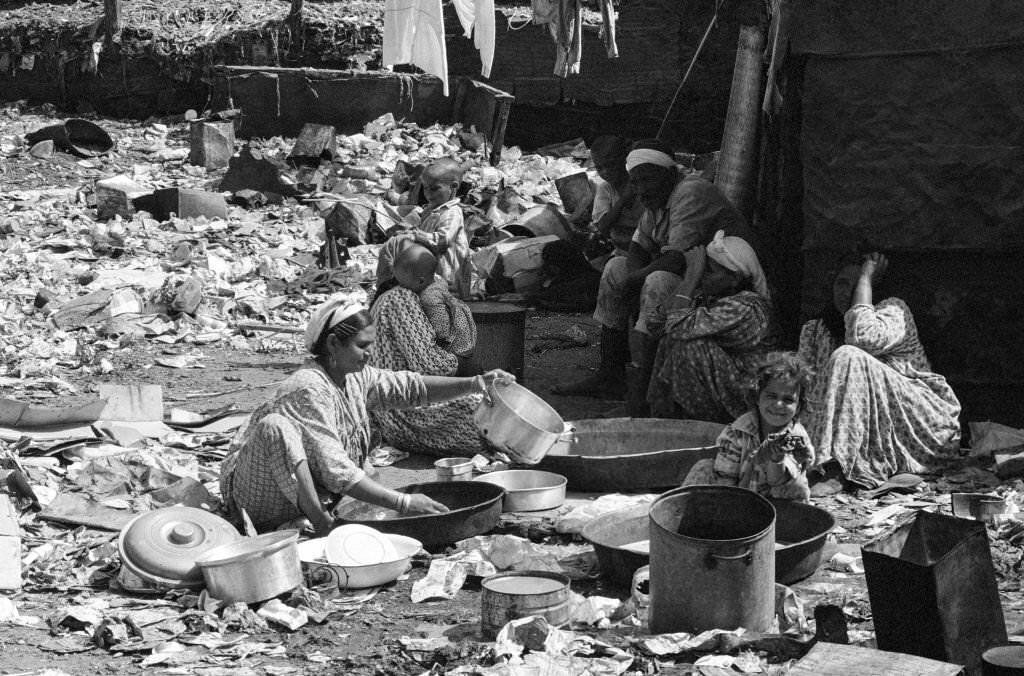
[(528, 490), (619, 539), (475, 509)]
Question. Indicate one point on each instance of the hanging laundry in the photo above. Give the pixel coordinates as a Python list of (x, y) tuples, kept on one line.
[(608, 29), (544, 11), (477, 18), (414, 33), (568, 33)]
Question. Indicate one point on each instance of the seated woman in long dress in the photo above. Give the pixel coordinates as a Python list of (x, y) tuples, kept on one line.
[(720, 324), (406, 341), (876, 407), (307, 447)]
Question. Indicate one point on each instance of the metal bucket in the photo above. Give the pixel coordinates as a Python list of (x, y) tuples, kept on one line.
[(454, 469), (500, 336), (712, 560), (510, 596)]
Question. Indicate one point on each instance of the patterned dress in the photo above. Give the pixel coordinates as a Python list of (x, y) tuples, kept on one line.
[(312, 419), (451, 319), (705, 361), (406, 341), (876, 407)]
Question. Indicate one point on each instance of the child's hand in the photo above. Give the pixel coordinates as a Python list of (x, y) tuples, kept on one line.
[(774, 473)]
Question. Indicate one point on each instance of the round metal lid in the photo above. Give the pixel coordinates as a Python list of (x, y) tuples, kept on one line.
[(163, 544)]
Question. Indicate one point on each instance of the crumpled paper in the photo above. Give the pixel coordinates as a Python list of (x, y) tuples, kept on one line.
[(532, 642), (443, 580), (574, 520)]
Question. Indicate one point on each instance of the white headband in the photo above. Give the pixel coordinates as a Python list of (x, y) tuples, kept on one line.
[(332, 312), (648, 156)]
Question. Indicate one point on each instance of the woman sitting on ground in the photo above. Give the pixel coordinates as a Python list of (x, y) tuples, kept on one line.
[(406, 341), (876, 406), (309, 444), (719, 325)]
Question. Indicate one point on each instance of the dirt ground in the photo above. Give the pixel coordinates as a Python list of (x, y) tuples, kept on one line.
[(365, 641)]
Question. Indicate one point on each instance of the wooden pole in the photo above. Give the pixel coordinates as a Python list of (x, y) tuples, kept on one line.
[(737, 162), (296, 12), (112, 18)]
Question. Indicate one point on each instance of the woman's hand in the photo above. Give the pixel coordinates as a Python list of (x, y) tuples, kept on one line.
[(696, 261), (421, 504), (497, 377), (874, 267)]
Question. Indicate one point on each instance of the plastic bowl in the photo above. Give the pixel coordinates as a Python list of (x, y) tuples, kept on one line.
[(319, 572), (358, 545)]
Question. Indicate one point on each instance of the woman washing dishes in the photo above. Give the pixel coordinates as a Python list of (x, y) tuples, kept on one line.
[(313, 437)]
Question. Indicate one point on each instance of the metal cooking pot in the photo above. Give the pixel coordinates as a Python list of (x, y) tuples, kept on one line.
[(253, 569), (518, 422)]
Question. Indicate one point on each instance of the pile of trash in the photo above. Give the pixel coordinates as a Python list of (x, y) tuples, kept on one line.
[(89, 270)]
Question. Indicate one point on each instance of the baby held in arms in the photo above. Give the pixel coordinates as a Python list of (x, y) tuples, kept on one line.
[(451, 319)]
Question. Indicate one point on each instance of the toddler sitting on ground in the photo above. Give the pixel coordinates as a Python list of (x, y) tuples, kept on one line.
[(452, 320), (766, 450)]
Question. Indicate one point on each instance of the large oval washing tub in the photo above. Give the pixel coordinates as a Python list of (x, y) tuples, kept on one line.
[(621, 454)]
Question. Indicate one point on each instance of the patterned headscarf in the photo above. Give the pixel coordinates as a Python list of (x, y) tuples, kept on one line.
[(733, 253), (332, 312)]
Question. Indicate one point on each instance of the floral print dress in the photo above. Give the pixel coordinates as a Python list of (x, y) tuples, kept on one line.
[(407, 341), (876, 407), (705, 361)]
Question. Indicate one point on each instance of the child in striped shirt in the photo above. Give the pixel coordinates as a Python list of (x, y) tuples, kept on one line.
[(766, 450)]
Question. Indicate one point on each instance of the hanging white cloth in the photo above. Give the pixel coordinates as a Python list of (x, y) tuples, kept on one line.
[(477, 19), (414, 33)]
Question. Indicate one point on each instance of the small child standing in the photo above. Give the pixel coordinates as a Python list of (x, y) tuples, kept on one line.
[(441, 229), (766, 450), (451, 319)]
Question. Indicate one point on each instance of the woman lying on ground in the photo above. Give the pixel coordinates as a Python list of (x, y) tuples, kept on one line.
[(313, 438), (719, 325), (876, 407)]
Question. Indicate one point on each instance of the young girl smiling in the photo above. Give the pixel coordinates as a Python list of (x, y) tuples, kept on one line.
[(766, 450)]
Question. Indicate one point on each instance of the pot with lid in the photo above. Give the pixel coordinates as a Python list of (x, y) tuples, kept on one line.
[(159, 548)]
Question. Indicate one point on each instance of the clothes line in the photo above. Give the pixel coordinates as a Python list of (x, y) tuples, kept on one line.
[(414, 33)]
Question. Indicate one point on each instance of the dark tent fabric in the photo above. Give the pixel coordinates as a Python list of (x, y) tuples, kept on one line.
[(916, 151), (911, 140)]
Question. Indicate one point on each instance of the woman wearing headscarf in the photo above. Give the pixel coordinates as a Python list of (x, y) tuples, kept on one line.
[(719, 324), (308, 445), (876, 406), (406, 341)]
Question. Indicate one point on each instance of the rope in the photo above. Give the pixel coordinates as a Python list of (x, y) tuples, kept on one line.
[(689, 69)]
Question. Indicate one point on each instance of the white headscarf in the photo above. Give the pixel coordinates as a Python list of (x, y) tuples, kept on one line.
[(332, 312), (648, 156), (733, 253)]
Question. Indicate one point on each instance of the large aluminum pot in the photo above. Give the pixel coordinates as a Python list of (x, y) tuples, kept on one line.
[(521, 424), (253, 569)]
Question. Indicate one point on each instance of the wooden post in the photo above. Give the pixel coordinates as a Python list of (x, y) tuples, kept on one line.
[(296, 12), (738, 160), (112, 18)]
